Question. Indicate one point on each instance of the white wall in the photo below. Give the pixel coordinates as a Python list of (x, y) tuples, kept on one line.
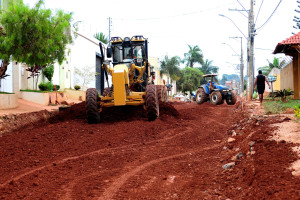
[(83, 54), (7, 83)]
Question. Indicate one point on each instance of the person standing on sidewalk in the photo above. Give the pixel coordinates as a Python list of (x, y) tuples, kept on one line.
[(260, 82)]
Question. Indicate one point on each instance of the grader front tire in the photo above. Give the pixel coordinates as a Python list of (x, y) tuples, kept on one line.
[(93, 115), (152, 106)]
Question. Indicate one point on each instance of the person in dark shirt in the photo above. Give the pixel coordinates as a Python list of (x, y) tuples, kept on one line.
[(260, 82)]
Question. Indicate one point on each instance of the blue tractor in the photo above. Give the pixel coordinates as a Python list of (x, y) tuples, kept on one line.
[(214, 93)]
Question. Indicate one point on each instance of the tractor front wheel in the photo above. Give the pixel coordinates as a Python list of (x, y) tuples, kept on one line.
[(201, 97), (232, 100), (93, 116), (151, 101), (216, 97)]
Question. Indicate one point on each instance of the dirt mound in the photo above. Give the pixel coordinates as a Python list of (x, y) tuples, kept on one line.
[(76, 111), (167, 109), (14, 122), (113, 114), (261, 158)]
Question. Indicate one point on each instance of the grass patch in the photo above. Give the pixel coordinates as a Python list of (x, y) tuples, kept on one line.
[(38, 91), (6, 93), (277, 107)]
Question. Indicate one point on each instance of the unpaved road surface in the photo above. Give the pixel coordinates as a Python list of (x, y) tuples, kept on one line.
[(178, 156)]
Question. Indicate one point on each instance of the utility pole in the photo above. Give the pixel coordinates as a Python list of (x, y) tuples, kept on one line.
[(109, 25), (241, 69), (250, 53)]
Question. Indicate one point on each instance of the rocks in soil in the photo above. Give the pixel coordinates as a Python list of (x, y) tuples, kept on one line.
[(237, 157), (228, 165), (230, 140), (251, 143)]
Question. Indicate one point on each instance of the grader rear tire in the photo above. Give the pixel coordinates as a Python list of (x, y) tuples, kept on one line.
[(216, 97), (93, 116), (152, 106), (165, 94), (159, 91)]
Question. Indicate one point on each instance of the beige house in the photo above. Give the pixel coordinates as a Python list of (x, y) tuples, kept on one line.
[(160, 78), (290, 75)]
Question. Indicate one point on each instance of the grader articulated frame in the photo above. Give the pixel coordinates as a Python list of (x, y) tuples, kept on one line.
[(132, 80)]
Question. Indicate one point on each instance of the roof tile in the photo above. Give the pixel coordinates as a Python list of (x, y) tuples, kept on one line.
[(295, 39)]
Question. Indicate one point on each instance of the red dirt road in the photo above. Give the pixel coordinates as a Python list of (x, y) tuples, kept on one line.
[(178, 156)]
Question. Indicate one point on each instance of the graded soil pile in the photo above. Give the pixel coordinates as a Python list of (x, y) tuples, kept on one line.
[(181, 155)]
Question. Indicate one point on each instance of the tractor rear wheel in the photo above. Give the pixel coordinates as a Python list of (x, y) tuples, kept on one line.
[(201, 97), (151, 101), (232, 100), (216, 97), (93, 116)]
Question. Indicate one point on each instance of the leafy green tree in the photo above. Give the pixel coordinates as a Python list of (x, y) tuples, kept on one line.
[(277, 63), (190, 79), (48, 72), (208, 68), (33, 35), (170, 67), (194, 55), (101, 37)]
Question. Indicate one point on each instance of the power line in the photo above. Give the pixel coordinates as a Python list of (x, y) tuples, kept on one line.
[(259, 10), (270, 16), (173, 16), (241, 4)]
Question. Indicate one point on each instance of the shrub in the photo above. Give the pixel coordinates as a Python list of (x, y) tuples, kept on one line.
[(43, 86), (46, 86), (77, 87), (57, 87), (48, 72), (282, 93)]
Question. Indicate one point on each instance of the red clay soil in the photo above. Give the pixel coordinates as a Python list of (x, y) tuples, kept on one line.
[(178, 156)]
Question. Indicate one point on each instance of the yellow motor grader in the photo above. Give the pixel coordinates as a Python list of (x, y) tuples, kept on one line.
[(132, 79)]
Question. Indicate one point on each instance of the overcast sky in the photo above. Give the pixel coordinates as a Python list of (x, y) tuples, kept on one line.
[(171, 25)]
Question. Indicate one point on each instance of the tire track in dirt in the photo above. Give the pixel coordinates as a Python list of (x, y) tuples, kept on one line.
[(71, 184), (100, 151), (109, 193)]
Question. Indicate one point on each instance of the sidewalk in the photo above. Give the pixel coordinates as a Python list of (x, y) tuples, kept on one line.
[(26, 107)]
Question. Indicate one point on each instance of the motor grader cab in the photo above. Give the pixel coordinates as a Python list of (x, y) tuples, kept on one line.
[(132, 79)]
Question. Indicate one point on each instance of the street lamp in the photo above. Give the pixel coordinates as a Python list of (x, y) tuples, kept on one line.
[(233, 24), (236, 54)]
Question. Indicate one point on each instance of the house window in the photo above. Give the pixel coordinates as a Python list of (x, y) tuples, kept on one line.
[(67, 76)]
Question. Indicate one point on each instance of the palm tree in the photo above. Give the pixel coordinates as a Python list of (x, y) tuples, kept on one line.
[(194, 55), (101, 37), (170, 67), (207, 67), (277, 63)]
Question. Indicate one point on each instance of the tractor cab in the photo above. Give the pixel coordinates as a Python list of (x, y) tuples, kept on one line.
[(132, 53), (210, 82), (128, 50)]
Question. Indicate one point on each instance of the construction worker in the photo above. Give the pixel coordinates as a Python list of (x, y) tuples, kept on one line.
[(260, 82)]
